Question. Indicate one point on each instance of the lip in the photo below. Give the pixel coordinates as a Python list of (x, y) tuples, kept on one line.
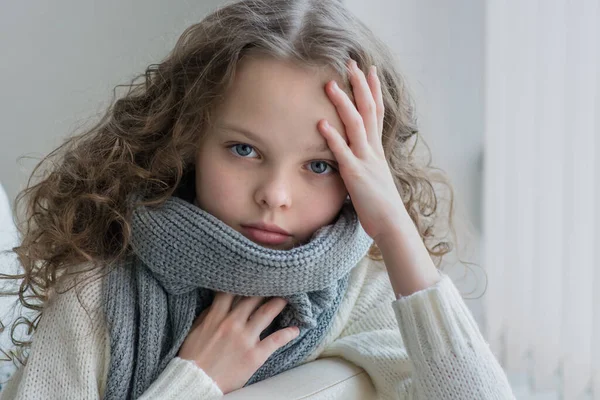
[(267, 227), (266, 233)]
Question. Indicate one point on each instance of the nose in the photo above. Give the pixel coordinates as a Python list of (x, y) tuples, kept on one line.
[(274, 192)]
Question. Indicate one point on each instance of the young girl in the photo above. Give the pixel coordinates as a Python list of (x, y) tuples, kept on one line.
[(254, 204)]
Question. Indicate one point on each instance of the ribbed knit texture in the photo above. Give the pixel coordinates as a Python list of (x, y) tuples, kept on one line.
[(183, 254), (71, 350)]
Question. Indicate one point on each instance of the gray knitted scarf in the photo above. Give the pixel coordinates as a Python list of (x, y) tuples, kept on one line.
[(182, 255)]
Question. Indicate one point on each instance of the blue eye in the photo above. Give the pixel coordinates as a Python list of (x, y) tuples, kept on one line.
[(245, 149), (321, 167)]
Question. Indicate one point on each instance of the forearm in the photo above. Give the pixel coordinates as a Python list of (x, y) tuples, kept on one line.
[(408, 262)]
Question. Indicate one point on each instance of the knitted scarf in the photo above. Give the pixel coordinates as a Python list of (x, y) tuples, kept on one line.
[(183, 254)]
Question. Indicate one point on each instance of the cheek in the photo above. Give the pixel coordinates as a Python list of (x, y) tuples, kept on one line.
[(217, 186), (321, 207)]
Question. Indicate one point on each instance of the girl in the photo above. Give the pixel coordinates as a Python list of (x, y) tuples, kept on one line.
[(252, 205)]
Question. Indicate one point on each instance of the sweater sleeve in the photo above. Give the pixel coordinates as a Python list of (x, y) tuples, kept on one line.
[(423, 346), (182, 379), (70, 353), (67, 357)]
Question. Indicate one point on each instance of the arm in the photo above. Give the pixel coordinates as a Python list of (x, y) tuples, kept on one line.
[(450, 357), (70, 353), (423, 346)]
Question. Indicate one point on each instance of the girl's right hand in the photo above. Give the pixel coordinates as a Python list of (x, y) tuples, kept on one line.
[(225, 338)]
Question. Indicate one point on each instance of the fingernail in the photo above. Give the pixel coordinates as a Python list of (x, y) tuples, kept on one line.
[(326, 124), (373, 70), (335, 85)]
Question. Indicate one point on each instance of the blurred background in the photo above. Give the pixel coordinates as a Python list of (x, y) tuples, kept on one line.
[(508, 101)]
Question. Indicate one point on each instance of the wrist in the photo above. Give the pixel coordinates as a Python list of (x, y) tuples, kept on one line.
[(407, 259)]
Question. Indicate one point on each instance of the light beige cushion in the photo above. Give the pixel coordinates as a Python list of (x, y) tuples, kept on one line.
[(325, 378)]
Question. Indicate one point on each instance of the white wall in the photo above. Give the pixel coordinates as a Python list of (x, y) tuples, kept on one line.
[(61, 59)]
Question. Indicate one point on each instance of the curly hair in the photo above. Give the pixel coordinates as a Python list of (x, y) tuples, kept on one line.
[(78, 211)]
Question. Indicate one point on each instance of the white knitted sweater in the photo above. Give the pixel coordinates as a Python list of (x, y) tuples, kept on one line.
[(423, 346)]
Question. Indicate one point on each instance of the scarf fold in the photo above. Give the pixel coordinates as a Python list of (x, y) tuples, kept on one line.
[(182, 255)]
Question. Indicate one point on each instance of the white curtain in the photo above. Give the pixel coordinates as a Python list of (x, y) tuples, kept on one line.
[(542, 191)]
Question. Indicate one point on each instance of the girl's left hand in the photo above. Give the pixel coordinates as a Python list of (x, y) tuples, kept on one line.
[(362, 164)]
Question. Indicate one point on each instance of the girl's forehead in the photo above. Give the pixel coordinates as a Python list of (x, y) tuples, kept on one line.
[(272, 94), (258, 71)]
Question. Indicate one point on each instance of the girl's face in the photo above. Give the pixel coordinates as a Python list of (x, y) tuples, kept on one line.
[(265, 161)]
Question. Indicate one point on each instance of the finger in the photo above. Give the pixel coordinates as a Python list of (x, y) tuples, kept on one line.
[(246, 306), (200, 318), (277, 339), (351, 118), (222, 302), (375, 85), (340, 149), (263, 317), (365, 103)]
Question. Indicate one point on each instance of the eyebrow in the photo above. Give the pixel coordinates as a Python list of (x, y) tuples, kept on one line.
[(320, 148)]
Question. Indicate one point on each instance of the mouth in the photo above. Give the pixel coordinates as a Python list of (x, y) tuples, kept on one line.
[(266, 234)]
